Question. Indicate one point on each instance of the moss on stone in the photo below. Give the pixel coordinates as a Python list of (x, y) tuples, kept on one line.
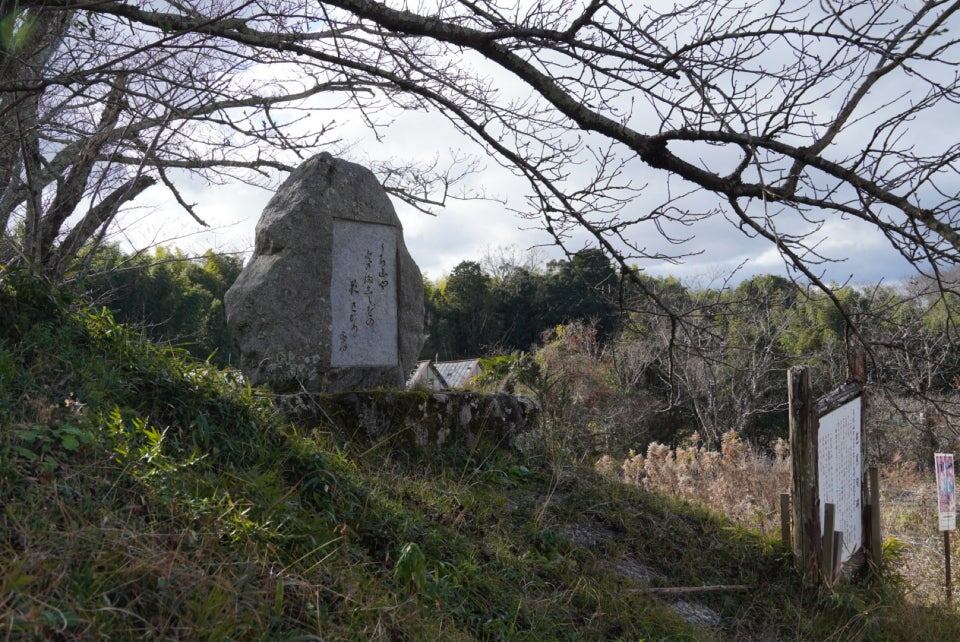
[(418, 418)]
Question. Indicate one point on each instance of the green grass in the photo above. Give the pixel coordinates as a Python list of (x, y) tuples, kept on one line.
[(148, 495)]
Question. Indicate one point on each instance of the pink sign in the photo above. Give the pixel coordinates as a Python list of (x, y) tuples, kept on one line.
[(946, 491)]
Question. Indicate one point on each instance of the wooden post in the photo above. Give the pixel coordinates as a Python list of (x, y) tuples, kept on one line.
[(829, 524), (837, 554), (785, 519), (857, 365), (804, 426), (876, 541), (946, 567), (857, 371)]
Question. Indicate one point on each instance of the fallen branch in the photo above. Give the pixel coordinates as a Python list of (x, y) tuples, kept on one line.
[(680, 590)]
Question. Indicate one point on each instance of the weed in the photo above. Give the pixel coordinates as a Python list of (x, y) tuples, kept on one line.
[(181, 506), (410, 570)]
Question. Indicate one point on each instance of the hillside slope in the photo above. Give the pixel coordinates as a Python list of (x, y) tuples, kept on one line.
[(148, 495)]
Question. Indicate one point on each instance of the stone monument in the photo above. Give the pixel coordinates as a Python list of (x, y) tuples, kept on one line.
[(330, 300)]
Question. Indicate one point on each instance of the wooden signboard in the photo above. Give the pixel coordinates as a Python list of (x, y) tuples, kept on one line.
[(827, 507), (840, 473)]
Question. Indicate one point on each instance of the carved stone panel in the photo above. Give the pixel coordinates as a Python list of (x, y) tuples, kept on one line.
[(363, 295)]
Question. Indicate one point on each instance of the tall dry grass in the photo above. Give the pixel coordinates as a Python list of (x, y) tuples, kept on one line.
[(737, 480), (908, 513)]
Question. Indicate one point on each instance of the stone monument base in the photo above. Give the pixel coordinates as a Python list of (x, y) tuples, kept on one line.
[(422, 419)]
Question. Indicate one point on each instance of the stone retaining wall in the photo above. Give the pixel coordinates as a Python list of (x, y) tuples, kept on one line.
[(417, 418)]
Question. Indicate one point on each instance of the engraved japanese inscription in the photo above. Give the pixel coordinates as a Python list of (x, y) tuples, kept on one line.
[(840, 469), (363, 295)]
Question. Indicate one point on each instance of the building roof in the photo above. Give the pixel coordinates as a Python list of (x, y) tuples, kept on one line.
[(420, 374), (457, 373)]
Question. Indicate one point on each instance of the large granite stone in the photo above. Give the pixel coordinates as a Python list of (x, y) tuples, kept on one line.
[(331, 300)]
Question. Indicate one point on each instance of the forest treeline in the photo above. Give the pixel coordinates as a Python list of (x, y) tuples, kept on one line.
[(506, 302), (471, 312), (590, 344), (168, 295)]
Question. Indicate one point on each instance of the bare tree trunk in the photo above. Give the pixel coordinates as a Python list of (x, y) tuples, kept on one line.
[(73, 187), (22, 65), (97, 218)]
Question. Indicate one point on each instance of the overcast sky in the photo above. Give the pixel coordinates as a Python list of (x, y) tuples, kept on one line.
[(465, 230)]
